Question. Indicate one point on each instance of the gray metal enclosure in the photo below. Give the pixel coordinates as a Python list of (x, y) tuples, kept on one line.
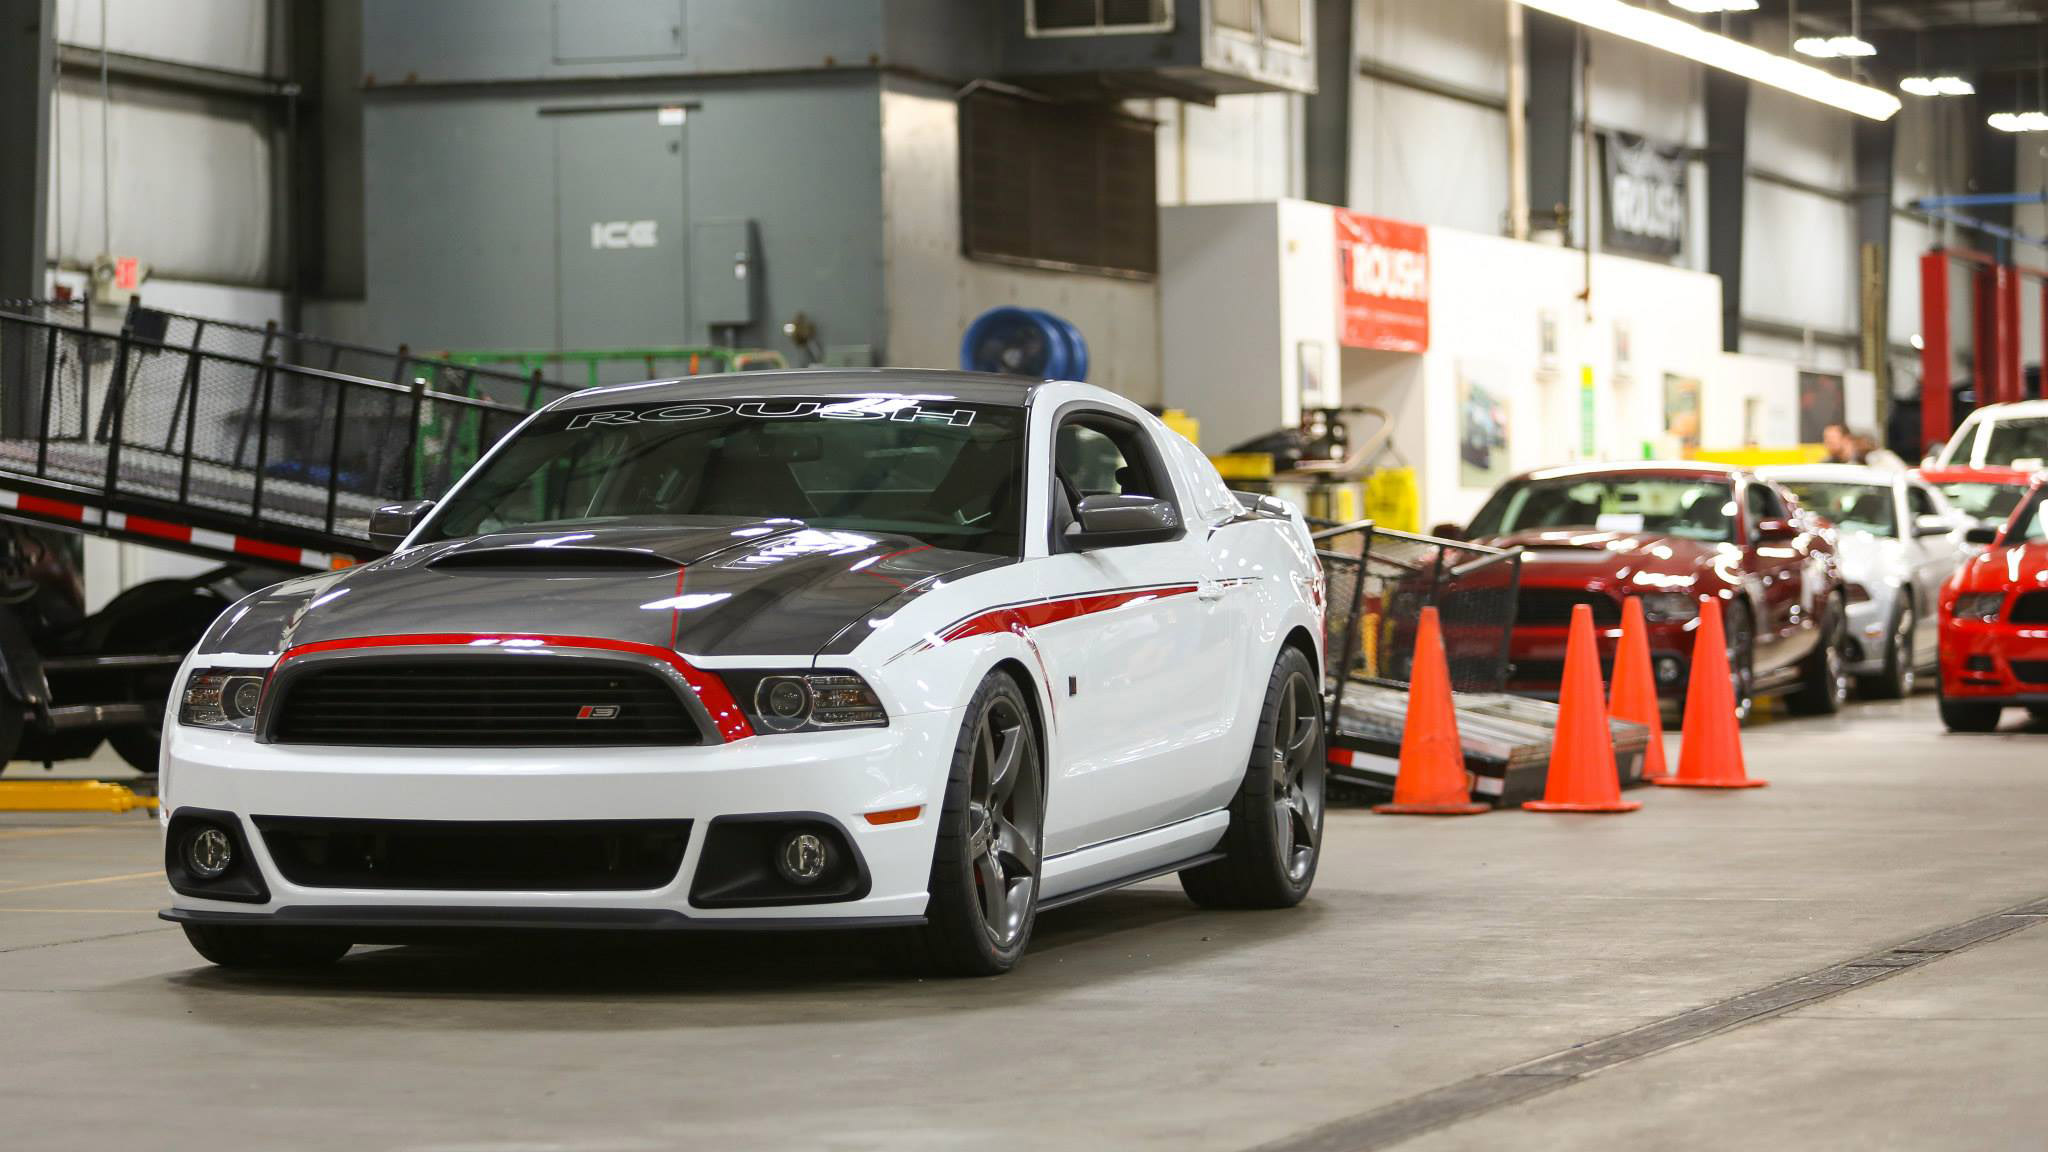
[(588, 174)]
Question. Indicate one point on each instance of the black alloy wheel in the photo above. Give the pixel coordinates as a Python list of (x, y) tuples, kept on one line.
[(1276, 819), (1741, 660), (991, 839)]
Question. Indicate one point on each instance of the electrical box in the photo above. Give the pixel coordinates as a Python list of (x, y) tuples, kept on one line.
[(606, 31), (725, 273), (1163, 47)]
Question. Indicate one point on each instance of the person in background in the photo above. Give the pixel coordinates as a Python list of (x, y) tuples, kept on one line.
[(1865, 449), (1840, 445)]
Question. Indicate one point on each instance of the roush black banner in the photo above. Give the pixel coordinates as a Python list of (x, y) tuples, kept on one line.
[(1643, 201)]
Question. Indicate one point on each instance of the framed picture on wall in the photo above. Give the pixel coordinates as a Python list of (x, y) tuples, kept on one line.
[(1682, 412), (1821, 402), (1482, 426)]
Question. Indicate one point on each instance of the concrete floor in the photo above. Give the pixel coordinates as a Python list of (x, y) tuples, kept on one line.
[(1431, 951)]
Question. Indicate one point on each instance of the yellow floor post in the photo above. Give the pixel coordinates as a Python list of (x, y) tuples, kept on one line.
[(70, 796)]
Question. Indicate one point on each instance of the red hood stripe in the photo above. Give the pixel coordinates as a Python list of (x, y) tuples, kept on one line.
[(725, 712)]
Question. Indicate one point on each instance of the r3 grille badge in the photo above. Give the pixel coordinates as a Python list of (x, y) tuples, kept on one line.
[(598, 712)]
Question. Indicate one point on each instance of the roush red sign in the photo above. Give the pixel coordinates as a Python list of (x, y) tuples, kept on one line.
[(1383, 283)]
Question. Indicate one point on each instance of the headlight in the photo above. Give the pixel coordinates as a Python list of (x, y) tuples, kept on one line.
[(806, 701), (223, 698), (1979, 605), (1670, 607)]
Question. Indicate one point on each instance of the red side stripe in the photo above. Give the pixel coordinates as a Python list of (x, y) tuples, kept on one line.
[(1054, 611), (725, 711)]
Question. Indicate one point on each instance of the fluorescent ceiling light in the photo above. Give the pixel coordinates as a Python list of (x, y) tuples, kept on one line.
[(1829, 47), (1670, 34), (1937, 86), (1707, 7), (2018, 121)]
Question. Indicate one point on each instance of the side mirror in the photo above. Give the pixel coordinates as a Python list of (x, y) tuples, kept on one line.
[(1772, 531), (1105, 521), (1981, 534), (390, 524), (1930, 524), (1448, 531)]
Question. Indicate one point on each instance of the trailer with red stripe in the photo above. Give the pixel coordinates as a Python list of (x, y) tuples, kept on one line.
[(262, 450)]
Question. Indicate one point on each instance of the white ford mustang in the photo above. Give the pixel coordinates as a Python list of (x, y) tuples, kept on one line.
[(919, 651)]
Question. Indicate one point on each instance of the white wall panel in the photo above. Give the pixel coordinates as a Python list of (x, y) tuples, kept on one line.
[(229, 34), (1799, 138), (191, 189), (1461, 42), (1798, 258), (1246, 147)]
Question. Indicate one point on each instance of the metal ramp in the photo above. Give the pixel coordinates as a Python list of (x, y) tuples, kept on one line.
[(231, 441)]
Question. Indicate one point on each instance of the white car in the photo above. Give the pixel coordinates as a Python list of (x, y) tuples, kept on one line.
[(884, 649), (1897, 541), (2011, 435)]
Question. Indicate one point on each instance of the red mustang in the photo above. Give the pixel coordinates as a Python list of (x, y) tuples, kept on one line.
[(1673, 534), (1994, 623)]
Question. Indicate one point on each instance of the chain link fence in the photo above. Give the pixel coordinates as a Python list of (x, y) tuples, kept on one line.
[(1378, 581)]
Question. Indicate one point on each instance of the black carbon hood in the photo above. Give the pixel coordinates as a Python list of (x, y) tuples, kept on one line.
[(707, 587)]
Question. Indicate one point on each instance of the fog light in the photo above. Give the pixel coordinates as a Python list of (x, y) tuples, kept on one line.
[(1979, 664), (802, 858), (1667, 670), (209, 853)]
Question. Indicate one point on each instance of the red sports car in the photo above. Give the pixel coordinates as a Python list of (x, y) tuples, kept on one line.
[(1674, 533), (1994, 623)]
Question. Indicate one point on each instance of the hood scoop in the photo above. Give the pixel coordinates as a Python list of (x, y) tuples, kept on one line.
[(532, 560)]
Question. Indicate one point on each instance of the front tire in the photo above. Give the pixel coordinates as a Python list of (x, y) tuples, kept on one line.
[(1969, 715), (991, 840), (265, 945), (1276, 819), (1895, 682), (1824, 674)]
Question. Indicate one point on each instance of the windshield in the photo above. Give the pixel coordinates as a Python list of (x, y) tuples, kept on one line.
[(1852, 507), (2017, 444), (947, 473), (1984, 501), (2032, 525), (1694, 508)]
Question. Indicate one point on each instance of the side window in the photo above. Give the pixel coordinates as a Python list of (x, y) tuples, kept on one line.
[(1921, 502), (1763, 504), (1095, 454), (1100, 456)]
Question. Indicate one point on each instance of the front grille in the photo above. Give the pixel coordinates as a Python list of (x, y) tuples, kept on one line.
[(2030, 608), (480, 701), (476, 856), (2031, 671), (1552, 607)]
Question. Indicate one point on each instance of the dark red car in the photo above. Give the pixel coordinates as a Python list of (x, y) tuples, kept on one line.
[(1994, 623), (1674, 534)]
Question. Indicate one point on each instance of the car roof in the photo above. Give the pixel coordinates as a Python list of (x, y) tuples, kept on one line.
[(1831, 474), (1635, 468), (2011, 409), (972, 387), (1966, 474)]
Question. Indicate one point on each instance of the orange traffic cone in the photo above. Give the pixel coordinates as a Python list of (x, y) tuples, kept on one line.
[(1432, 776), (1634, 693), (1710, 743), (1582, 776)]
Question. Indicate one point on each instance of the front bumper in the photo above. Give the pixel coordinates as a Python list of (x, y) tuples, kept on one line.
[(841, 776), (1991, 660)]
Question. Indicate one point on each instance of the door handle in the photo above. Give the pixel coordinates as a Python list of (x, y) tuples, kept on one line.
[(1208, 590)]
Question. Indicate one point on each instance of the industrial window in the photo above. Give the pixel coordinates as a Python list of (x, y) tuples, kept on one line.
[(1057, 185), (1096, 17), (1280, 20)]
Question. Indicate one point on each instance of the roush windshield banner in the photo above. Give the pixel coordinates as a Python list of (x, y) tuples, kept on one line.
[(1383, 283)]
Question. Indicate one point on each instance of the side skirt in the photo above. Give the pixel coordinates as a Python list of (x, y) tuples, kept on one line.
[(1080, 894)]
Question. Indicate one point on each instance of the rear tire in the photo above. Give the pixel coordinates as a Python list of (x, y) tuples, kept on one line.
[(991, 841), (1275, 838), (1895, 682), (265, 945), (1823, 675)]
